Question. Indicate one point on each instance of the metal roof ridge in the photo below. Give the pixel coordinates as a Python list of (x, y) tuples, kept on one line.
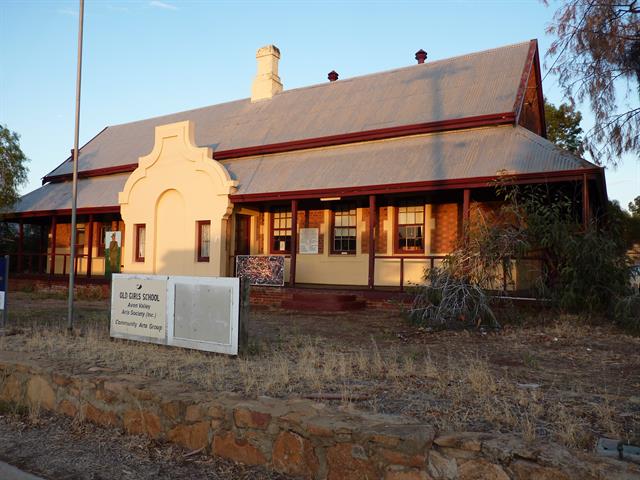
[(365, 142), (328, 84)]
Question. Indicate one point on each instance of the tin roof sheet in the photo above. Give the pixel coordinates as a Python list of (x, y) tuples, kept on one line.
[(471, 85), (462, 154)]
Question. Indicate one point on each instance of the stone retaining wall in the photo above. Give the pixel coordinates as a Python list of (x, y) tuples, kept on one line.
[(297, 437)]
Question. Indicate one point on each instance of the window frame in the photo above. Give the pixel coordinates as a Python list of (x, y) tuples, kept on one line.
[(343, 207), (199, 225), (272, 230), (397, 225), (137, 228)]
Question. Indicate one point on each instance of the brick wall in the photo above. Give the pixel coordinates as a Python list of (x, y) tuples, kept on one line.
[(381, 233), (445, 233)]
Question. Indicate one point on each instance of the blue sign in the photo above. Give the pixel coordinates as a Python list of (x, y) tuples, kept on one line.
[(3, 270)]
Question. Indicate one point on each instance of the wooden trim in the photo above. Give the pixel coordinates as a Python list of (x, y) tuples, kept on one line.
[(377, 134), (294, 242), (536, 65), (449, 184), (138, 228), (372, 241), (199, 225), (524, 80), (97, 172), (326, 141), (66, 211), (70, 158), (396, 229)]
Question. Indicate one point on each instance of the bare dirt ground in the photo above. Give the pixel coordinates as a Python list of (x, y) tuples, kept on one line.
[(57, 448), (548, 377)]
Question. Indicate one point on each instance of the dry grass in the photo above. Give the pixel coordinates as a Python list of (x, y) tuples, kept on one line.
[(455, 381)]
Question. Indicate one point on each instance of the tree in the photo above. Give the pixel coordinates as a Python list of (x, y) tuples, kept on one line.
[(597, 50), (563, 126), (13, 169), (634, 207)]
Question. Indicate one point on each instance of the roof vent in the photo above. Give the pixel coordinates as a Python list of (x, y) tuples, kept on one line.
[(421, 56), (267, 82), (333, 76)]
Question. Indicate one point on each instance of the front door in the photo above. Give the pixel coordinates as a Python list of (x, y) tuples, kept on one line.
[(243, 230)]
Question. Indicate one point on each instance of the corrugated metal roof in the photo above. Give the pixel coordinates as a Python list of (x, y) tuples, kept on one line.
[(461, 154), (452, 155), (92, 192), (481, 83)]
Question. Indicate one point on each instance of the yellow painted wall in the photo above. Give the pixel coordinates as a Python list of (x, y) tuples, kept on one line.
[(175, 186), (331, 269)]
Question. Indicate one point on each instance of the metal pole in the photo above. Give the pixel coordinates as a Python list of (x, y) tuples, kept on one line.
[(74, 196)]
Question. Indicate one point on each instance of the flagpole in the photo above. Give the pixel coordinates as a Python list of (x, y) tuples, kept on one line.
[(74, 196)]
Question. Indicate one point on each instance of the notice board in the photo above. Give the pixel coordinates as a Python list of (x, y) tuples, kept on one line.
[(202, 313)]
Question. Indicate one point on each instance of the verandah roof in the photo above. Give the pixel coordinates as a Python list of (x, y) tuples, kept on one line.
[(463, 154)]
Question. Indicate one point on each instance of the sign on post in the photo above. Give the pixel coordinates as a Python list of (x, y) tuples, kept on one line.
[(4, 289), (139, 310), (202, 313)]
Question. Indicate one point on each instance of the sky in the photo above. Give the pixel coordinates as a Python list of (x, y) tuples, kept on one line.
[(144, 58)]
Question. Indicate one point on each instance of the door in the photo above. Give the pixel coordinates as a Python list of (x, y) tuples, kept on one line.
[(243, 234)]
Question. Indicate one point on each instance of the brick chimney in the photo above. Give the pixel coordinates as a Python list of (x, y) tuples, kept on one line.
[(421, 56), (267, 82), (333, 76)]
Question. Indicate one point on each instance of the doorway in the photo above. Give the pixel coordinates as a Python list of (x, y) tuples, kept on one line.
[(243, 234)]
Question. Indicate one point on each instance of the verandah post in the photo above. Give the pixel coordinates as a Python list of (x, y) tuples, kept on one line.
[(294, 241), (54, 226), (90, 249), (466, 201), (20, 244), (585, 200), (372, 240)]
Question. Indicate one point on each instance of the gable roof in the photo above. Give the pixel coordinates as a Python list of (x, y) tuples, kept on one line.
[(465, 154), (475, 85)]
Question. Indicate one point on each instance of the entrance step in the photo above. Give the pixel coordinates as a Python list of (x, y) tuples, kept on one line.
[(323, 302)]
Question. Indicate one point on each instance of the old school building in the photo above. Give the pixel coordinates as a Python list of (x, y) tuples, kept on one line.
[(362, 181)]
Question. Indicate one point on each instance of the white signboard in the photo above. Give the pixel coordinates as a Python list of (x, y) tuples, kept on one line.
[(1, 300), (309, 240), (139, 307), (192, 312)]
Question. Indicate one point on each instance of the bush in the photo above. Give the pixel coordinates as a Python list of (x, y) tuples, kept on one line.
[(584, 268), (450, 301)]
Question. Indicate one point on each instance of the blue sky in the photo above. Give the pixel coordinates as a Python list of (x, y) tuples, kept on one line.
[(146, 58)]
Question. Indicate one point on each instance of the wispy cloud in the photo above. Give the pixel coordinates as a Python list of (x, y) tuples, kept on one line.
[(67, 11), (163, 5), (117, 8)]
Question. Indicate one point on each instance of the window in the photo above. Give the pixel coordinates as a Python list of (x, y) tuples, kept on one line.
[(281, 231), (80, 237), (344, 230), (410, 235), (140, 242), (204, 240)]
